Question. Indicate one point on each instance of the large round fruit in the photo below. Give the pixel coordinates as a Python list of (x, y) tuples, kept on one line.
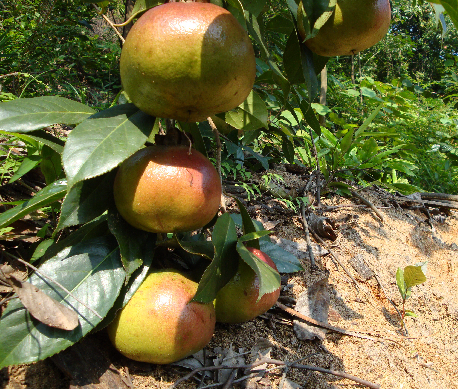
[(166, 189), (187, 61), (237, 301), (354, 26), (160, 324)]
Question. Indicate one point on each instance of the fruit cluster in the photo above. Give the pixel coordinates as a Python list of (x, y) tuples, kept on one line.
[(185, 61)]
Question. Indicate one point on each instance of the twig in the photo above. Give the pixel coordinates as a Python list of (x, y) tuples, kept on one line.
[(110, 23), (336, 258), (368, 203), (279, 365), (218, 157), (56, 283), (342, 331)]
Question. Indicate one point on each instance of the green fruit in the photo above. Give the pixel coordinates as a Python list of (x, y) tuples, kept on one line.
[(355, 25), (160, 324), (237, 301), (187, 61), (166, 189)]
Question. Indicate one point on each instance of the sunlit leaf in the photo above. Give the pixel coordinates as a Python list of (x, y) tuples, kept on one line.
[(92, 272), (29, 114), (48, 195)]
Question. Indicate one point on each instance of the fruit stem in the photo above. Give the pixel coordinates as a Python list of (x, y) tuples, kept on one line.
[(218, 157)]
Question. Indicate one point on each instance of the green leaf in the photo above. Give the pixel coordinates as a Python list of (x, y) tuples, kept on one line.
[(410, 313), (250, 115), (41, 136), (93, 229), (28, 163), (400, 282), (255, 7), (143, 5), (269, 278), (284, 260), (91, 271), (368, 121), (102, 142), (201, 248), (292, 60), (451, 6), (126, 293), (347, 141), (309, 116), (413, 275), (247, 224), (86, 200), (24, 115), (135, 245), (48, 195), (225, 262)]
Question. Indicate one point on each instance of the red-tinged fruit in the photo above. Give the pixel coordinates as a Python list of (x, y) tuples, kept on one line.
[(237, 301), (164, 189), (187, 61), (354, 26), (160, 324)]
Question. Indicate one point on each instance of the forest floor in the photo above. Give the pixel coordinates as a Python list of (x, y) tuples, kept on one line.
[(357, 295)]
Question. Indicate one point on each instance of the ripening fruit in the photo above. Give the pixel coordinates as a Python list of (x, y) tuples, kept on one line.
[(237, 301), (166, 189), (187, 61), (160, 324), (354, 26)]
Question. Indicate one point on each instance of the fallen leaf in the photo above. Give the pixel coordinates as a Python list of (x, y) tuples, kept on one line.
[(44, 308), (314, 303)]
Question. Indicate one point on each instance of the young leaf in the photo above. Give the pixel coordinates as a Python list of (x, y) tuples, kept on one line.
[(413, 275), (269, 279), (410, 313), (44, 308), (91, 271), (24, 115), (48, 195), (225, 262), (135, 245), (101, 143), (400, 282), (86, 200), (202, 248)]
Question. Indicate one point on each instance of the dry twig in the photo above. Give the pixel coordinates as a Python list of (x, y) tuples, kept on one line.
[(368, 203), (279, 365)]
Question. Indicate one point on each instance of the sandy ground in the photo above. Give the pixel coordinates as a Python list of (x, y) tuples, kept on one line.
[(425, 359)]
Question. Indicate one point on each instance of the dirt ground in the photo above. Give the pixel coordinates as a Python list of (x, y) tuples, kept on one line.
[(370, 250)]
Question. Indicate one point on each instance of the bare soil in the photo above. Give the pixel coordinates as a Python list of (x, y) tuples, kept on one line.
[(371, 251)]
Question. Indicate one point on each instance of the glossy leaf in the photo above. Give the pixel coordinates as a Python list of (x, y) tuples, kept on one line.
[(91, 271), (29, 114), (135, 245), (86, 200), (102, 142), (451, 6), (48, 195), (247, 224), (225, 262), (250, 115), (269, 279)]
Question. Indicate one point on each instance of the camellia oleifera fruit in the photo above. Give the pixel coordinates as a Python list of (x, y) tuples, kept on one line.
[(167, 189), (160, 324), (355, 25), (237, 301), (187, 61)]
